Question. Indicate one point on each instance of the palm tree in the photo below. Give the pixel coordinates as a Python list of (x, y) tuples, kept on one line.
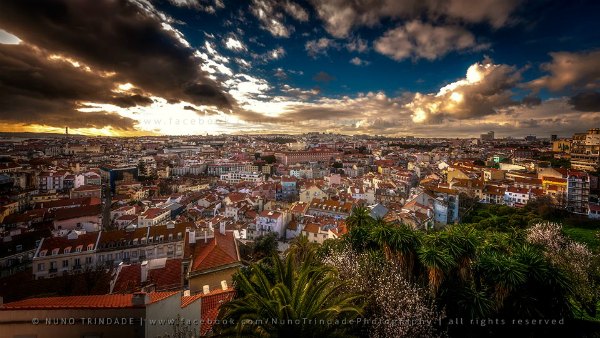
[(360, 217), (437, 261), (291, 296), (302, 249), (381, 233), (502, 271), (405, 242), (461, 242)]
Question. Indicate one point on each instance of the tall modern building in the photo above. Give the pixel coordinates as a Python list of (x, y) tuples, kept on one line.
[(585, 150), (578, 192)]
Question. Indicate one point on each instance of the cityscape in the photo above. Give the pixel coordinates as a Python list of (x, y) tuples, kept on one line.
[(191, 168)]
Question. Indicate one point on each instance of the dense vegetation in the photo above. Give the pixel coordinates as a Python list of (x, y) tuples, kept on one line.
[(474, 279)]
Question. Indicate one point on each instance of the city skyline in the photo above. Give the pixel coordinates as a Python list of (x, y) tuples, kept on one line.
[(196, 67)]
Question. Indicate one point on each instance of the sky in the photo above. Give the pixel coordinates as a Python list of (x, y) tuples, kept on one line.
[(424, 68)]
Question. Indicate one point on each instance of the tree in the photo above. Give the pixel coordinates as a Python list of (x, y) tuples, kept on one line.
[(388, 295), (360, 217), (291, 295), (302, 250), (264, 246)]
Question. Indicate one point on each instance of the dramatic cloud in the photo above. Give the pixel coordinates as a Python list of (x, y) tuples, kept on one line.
[(202, 5), (587, 101), (8, 39), (341, 16), (130, 40), (272, 14), (485, 89), (570, 70), (37, 88), (418, 40)]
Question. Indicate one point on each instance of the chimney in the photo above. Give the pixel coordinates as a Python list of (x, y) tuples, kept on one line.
[(144, 271), (205, 289), (140, 299), (186, 293), (192, 237), (205, 239), (224, 285), (222, 227)]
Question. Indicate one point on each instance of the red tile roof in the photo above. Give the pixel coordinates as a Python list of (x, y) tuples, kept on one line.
[(69, 213), (209, 308), (113, 301), (62, 243), (218, 251)]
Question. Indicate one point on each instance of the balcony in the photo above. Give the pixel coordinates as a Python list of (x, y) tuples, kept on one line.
[(53, 270)]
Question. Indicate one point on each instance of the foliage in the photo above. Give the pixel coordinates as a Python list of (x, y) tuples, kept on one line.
[(582, 265), (269, 159), (396, 306), (280, 297), (264, 246)]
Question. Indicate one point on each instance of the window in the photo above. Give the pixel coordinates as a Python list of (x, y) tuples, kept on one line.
[(19, 248), (134, 254), (88, 260), (52, 265), (78, 248), (65, 263), (90, 247), (77, 261), (55, 251), (41, 267), (67, 250), (43, 253)]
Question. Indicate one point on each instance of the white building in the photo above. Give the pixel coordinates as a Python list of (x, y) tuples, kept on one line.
[(237, 177)]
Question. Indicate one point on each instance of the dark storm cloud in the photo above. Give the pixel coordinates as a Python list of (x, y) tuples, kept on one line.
[(119, 36), (126, 101), (586, 101), (37, 89), (531, 101)]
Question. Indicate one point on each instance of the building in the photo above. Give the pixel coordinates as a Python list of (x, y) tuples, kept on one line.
[(240, 176), (72, 253), (516, 197), (578, 192), (269, 221), (114, 175), (87, 191), (154, 216), (77, 252), (215, 258), (585, 150), (293, 157), (136, 315), (329, 208)]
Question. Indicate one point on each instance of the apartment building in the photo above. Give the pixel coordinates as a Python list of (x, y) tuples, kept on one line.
[(585, 150), (77, 251)]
